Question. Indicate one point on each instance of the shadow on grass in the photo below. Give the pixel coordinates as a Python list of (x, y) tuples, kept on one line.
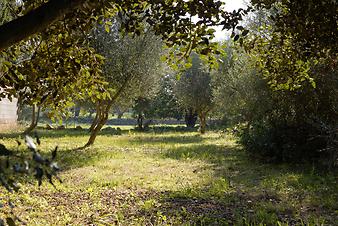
[(279, 187), (69, 132), (73, 132), (165, 129), (82, 157), (186, 208), (155, 140), (216, 154), (149, 207)]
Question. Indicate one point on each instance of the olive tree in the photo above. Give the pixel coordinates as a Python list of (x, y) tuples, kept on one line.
[(194, 90), (132, 66), (165, 103)]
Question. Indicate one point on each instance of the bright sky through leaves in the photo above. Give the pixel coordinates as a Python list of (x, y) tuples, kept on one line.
[(230, 5)]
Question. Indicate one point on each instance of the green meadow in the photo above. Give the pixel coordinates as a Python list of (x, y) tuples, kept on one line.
[(170, 177)]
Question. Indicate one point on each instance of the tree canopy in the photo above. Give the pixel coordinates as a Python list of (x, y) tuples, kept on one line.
[(131, 70), (194, 90)]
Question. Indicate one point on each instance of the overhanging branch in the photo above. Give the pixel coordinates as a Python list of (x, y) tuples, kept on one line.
[(35, 21)]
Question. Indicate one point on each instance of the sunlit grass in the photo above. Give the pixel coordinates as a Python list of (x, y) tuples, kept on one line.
[(172, 177)]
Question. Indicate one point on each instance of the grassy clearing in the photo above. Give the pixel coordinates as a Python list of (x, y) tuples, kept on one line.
[(167, 177)]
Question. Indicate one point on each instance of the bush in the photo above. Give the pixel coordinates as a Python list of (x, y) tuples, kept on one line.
[(287, 143)]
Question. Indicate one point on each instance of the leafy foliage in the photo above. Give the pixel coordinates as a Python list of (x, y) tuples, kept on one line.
[(284, 86), (292, 37), (51, 69), (194, 90), (165, 104), (280, 125), (131, 70), (15, 166), (312, 25)]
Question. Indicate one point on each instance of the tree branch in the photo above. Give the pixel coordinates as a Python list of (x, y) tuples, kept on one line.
[(35, 21)]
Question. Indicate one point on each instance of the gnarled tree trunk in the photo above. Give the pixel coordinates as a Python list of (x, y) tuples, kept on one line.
[(96, 119), (102, 113)]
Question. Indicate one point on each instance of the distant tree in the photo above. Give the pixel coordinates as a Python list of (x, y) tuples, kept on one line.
[(165, 103), (120, 108), (141, 108), (241, 94), (130, 70), (194, 92)]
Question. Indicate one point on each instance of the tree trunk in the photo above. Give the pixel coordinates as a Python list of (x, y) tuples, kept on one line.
[(35, 119), (119, 115), (203, 123), (102, 117), (77, 111), (96, 119), (102, 112), (101, 122), (190, 118), (140, 121)]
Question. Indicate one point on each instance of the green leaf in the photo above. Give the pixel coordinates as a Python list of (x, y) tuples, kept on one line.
[(241, 28), (211, 31), (10, 221), (245, 32)]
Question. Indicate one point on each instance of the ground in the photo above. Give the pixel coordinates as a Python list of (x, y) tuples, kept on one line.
[(171, 177)]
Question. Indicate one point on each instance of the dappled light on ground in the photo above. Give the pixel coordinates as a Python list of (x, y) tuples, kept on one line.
[(174, 178)]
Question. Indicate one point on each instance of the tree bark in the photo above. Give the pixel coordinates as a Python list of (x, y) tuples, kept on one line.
[(35, 119), (203, 123), (119, 115), (96, 119), (36, 21), (102, 117), (101, 122)]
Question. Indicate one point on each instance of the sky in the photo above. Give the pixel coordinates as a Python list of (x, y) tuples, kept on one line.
[(233, 4), (230, 5)]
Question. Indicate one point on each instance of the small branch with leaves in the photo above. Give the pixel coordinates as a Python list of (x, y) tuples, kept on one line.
[(15, 165)]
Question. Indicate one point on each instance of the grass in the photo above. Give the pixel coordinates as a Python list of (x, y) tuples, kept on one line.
[(171, 177)]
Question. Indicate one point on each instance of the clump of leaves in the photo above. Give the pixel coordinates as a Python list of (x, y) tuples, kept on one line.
[(14, 165)]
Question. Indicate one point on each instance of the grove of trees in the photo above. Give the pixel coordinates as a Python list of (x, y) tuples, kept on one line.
[(275, 78), (273, 81)]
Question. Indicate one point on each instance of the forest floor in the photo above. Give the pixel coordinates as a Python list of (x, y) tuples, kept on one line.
[(167, 177)]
